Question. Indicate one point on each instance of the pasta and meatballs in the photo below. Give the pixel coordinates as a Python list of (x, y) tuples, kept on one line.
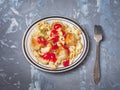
[(55, 44)]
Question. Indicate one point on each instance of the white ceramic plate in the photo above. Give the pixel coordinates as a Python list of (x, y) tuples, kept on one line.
[(29, 56)]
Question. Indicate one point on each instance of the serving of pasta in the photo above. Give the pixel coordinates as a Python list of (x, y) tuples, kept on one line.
[(55, 44)]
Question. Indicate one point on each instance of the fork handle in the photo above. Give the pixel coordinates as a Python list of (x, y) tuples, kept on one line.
[(97, 73)]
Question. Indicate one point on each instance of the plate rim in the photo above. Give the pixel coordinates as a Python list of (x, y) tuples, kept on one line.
[(55, 71)]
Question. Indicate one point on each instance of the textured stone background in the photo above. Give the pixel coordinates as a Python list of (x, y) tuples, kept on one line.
[(17, 74)]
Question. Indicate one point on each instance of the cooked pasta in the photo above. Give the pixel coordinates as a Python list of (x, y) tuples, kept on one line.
[(55, 44)]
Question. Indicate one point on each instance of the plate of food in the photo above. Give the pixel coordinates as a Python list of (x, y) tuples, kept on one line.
[(55, 44)]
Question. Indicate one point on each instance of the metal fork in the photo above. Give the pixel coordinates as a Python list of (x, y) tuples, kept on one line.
[(98, 37)]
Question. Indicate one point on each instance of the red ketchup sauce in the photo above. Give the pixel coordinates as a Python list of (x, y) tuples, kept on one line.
[(66, 63), (49, 56), (41, 40)]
